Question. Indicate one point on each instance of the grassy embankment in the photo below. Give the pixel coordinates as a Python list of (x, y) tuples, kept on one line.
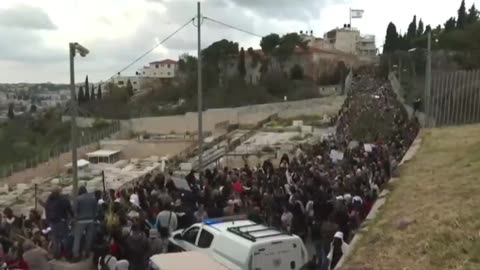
[(438, 192)]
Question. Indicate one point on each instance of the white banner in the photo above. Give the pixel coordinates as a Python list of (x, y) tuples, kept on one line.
[(356, 13)]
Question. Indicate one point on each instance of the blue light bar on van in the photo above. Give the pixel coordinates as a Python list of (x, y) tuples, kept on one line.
[(210, 221)]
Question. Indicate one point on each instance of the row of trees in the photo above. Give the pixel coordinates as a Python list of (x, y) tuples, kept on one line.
[(87, 94), (416, 33)]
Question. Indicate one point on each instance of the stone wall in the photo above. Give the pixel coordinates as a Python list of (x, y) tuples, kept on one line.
[(137, 149), (246, 115), (48, 169)]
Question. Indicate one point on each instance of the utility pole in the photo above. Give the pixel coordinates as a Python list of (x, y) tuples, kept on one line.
[(428, 81), (73, 116), (199, 88)]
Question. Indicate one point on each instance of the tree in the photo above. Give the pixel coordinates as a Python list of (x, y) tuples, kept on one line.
[(110, 87), (241, 63), (472, 15), (391, 39), (412, 29), (33, 108), (10, 113), (129, 88), (428, 29), (296, 73), (99, 94), (92, 93), (287, 46), (87, 91), (81, 96), (450, 24), (269, 43), (220, 50), (420, 29), (217, 57), (462, 16)]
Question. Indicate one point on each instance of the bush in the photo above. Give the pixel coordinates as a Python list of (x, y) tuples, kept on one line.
[(99, 124)]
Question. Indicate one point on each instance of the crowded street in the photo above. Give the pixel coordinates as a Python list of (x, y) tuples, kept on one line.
[(320, 192)]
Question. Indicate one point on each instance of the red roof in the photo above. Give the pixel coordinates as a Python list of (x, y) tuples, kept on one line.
[(166, 61)]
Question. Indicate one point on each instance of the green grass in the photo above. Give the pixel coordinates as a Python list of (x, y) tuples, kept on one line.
[(438, 189)]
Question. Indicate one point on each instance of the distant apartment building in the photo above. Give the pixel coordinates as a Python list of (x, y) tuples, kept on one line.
[(121, 81), (349, 40), (164, 69)]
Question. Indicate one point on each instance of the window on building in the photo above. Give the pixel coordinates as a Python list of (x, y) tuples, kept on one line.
[(168, 66), (134, 82), (168, 73), (205, 239), (120, 82), (156, 65)]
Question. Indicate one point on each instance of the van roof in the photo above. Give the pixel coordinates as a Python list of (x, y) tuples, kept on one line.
[(185, 260), (249, 230)]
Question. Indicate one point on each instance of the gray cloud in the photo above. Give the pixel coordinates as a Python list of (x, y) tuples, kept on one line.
[(26, 17), (284, 9), (26, 46), (26, 49)]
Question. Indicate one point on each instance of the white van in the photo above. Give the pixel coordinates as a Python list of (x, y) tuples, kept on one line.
[(183, 261), (241, 244)]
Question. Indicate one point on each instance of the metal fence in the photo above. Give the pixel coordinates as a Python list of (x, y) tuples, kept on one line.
[(85, 138), (454, 98)]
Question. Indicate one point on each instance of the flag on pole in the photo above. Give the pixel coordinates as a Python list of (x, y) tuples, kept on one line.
[(356, 13)]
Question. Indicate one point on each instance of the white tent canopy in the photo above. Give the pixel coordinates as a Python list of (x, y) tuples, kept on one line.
[(103, 156)]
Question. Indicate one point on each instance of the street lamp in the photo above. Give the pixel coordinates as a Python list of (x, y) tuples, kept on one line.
[(74, 48)]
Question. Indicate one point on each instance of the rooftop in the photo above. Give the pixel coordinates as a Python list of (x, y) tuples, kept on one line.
[(250, 229), (80, 163), (103, 153), (166, 61)]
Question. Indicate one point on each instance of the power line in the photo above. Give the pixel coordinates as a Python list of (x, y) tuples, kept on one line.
[(154, 47), (233, 27)]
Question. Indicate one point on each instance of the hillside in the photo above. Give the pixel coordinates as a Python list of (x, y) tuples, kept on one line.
[(436, 200)]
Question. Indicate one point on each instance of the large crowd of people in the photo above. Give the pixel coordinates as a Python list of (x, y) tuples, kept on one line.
[(321, 192)]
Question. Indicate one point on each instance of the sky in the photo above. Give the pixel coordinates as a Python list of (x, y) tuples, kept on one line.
[(34, 34)]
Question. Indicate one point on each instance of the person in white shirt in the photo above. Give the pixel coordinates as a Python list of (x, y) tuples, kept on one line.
[(167, 221), (286, 218), (200, 214), (338, 248)]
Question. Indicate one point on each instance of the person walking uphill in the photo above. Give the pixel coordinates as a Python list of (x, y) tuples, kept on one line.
[(58, 211), (86, 214)]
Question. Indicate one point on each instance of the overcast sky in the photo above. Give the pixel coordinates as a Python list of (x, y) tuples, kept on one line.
[(34, 34)]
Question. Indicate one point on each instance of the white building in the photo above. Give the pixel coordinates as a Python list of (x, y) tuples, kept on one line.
[(349, 40), (164, 69), (121, 81)]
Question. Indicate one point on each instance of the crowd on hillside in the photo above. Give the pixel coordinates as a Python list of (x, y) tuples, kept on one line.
[(321, 192)]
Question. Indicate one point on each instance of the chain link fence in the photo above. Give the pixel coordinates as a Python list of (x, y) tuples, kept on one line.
[(84, 138)]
